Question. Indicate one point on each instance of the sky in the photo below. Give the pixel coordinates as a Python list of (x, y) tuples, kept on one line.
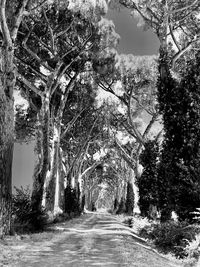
[(133, 41)]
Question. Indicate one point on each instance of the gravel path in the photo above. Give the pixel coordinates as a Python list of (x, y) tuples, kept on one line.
[(92, 240)]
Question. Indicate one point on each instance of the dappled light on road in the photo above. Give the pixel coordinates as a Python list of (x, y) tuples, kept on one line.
[(95, 239)]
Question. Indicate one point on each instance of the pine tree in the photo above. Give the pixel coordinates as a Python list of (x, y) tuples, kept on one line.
[(129, 199), (179, 171), (147, 183)]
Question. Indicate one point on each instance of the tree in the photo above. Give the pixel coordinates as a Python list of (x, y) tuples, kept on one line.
[(176, 26), (147, 182), (48, 52), (179, 166), (8, 33), (129, 199), (170, 21)]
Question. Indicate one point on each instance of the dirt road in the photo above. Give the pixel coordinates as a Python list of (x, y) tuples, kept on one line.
[(91, 240)]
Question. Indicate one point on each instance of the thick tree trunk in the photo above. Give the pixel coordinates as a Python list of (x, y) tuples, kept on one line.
[(55, 183), (43, 156), (132, 180), (6, 157), (7, 83), (61, 175)]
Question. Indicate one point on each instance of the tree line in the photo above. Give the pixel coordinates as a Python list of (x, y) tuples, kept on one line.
[(58, 54)]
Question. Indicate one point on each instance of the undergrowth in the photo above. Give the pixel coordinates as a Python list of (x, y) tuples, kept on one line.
[(178, 238)]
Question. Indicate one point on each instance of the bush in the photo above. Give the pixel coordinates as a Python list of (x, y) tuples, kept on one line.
[(171, 236), (25, 219)]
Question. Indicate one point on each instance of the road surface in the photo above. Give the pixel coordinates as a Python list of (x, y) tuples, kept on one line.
[(94, 239)]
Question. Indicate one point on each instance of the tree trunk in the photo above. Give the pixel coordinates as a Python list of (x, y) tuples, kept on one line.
[(51, 183), (61, 175), (6, 157), (132, 180), (7, 83), (43, 156)]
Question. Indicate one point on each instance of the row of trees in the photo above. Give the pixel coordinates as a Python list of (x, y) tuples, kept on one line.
[(172, 183), (58, 53), (50, 52)]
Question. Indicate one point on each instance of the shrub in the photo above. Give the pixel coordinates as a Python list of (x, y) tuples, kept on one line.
[(24, 217), (171, 236)]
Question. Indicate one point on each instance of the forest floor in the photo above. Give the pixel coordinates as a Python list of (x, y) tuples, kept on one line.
[(93, 239)]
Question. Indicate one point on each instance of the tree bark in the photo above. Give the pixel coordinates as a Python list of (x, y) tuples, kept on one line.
[(52, 198), (6, 157), (7, 83), (43, 164)]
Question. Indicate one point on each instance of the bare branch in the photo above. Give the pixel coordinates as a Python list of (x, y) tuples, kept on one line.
[(4, 25), (29, 85), (34, 55), (184, 8), (43, 44), (134, 128), (66, 94), (38, 6), (51, 33), (64, 31), (182, 52), (173, 37), (149, 126), (18, 19), (71, 123), (126, 157), (68, 66), (41, 75)]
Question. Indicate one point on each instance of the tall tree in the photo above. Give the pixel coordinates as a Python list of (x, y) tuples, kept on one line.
[(50, 57), (179, 166), (11, 15)]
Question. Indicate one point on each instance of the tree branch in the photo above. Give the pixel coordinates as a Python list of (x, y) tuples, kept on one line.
[(41, 75), (29, 85), (4, 25), (184, 8), (35, 56), (18, 19), (71, 123), (135, 130), (173, 37), (51, 33), (126, 157)]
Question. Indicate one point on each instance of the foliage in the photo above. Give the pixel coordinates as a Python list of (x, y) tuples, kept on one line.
[(179, 167), (24, 217), (129, 199), (25, 121), (171, 236), (147, 182)]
